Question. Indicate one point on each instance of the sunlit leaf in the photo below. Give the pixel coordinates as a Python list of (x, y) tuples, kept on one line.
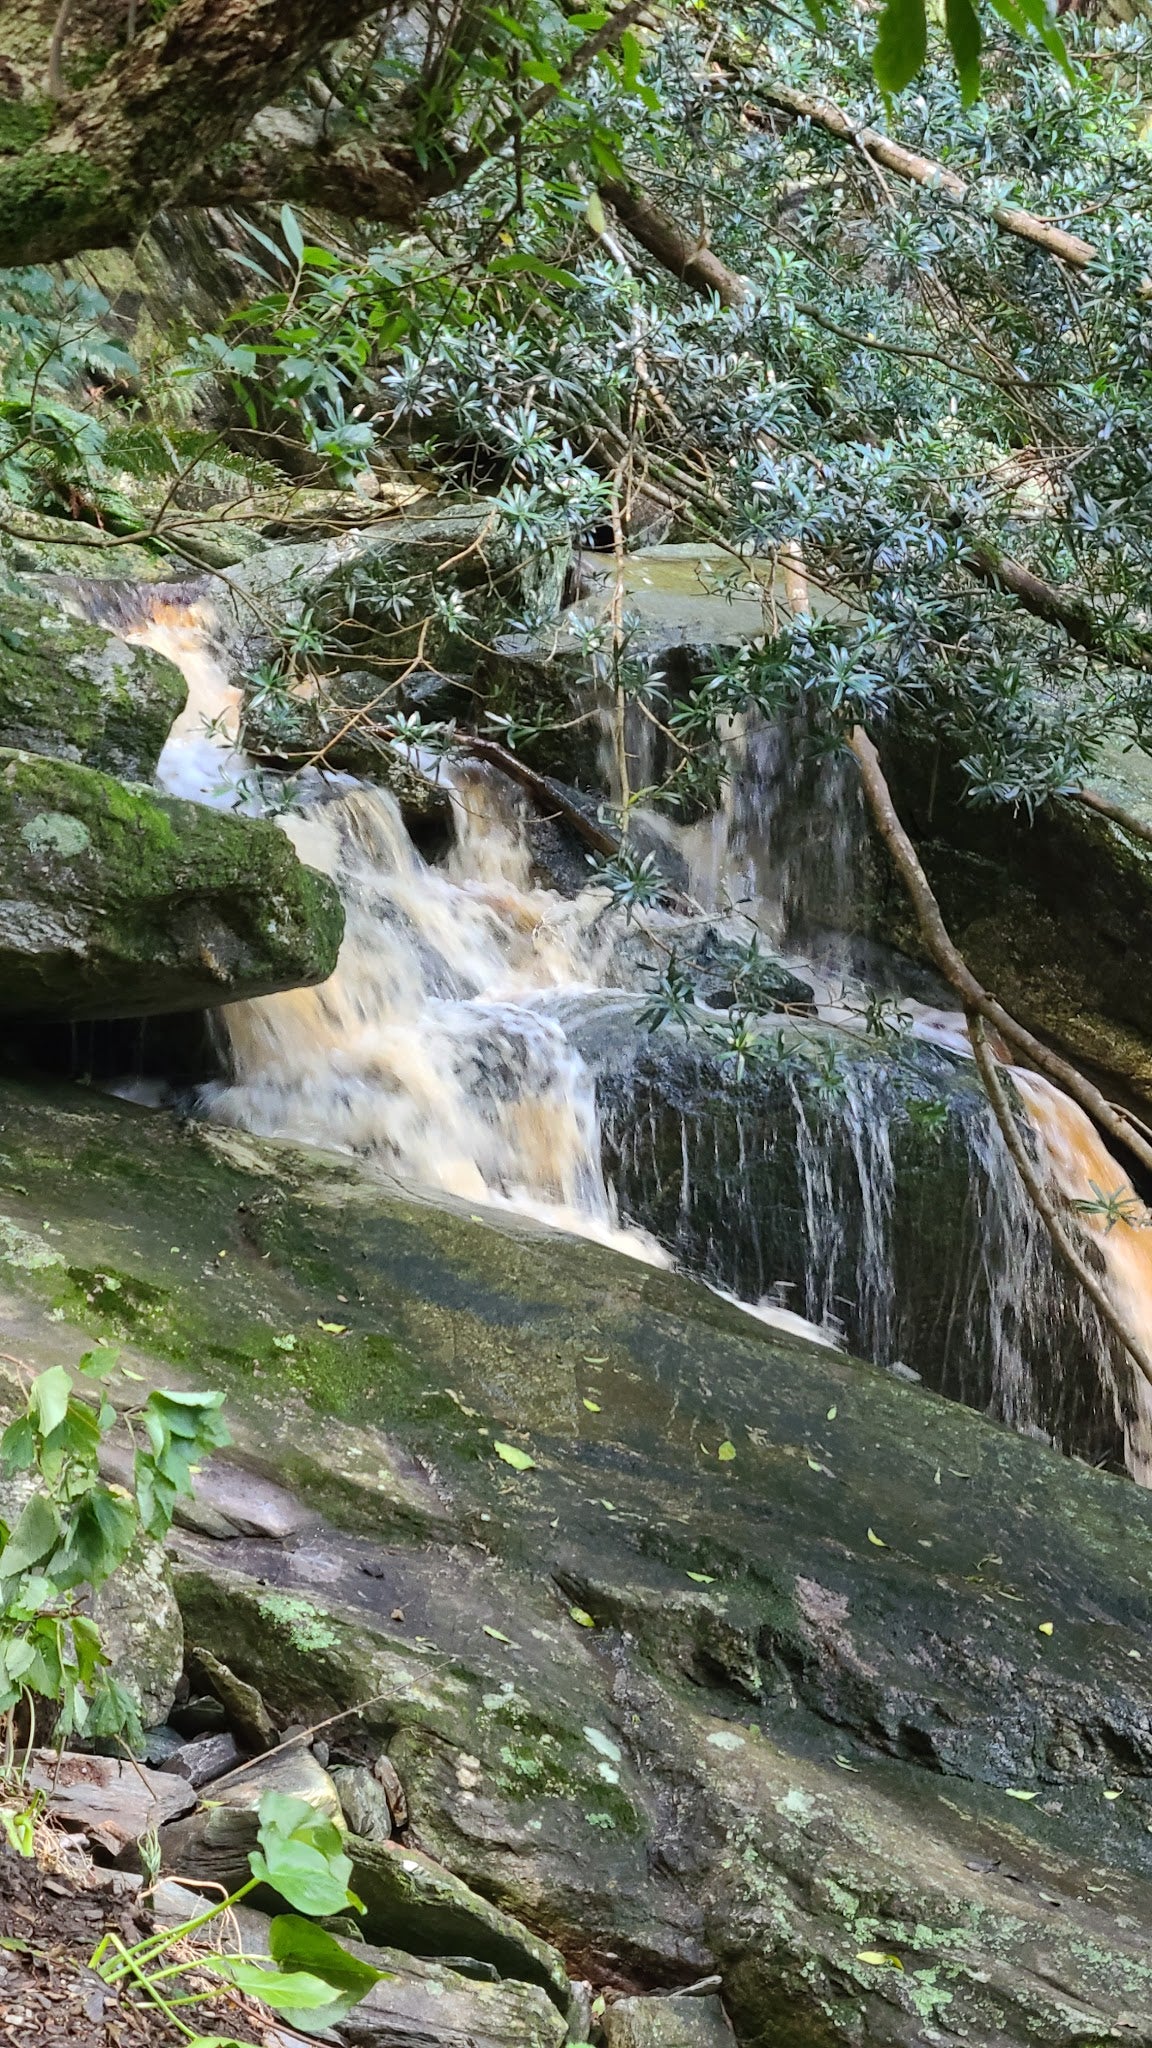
[(520, 1461)]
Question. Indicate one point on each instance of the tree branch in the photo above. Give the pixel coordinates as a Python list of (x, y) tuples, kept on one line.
[(921, 170), (989, 1071), (686, 255), (175, 96), (947, 957)]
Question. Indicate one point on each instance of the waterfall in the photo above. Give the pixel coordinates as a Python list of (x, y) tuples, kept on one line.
[(478, 1037)]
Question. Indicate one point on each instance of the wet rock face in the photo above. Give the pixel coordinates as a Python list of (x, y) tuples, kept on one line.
[(863, 1185), (82, 694), (117, 902), (743, 1675), (1054, 914)]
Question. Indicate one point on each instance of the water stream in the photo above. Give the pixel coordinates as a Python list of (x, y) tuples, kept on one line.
[(454, 1047)]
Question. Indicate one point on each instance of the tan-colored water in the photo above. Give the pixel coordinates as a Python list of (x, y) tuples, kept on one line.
[(1109, 1211), (438, 1050)]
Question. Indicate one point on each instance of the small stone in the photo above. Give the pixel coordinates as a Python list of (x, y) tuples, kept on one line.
[(364, 1801), (251, 1722), (388, 1777), (667, 2023), (204, 1760)]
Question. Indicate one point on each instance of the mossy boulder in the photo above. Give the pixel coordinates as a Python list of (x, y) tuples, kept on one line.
[(772, 1712), (115, 901), (82, 694)]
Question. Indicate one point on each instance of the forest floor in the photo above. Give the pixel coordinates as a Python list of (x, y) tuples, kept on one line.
[(54, 1911)]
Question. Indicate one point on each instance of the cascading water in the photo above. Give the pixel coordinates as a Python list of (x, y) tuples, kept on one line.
[(458, 1047)]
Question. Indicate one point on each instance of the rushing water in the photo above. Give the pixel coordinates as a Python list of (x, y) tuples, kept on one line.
[(459, 1045)]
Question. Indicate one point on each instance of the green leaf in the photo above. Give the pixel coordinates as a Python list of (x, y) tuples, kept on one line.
[(726, 1452), (18, 1445), (581, 1617), (49, 1397), (292, 232), (100, 1361), (508, 266), (301, 1855), (901, 44), (1032, 15), (519, 1460), (295, 1992), (34, 1537), (962, 25), (299, 1945)]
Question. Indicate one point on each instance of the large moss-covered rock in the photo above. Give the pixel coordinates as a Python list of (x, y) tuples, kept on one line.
[(115, 901), (744, 1674), (82, 694)]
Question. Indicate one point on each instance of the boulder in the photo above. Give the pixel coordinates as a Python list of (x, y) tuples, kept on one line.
[(115, 901), (213, 1843), (111, 1801), (141, 1630), (862, 1183), (769, 1666), (364, 1802), (1052, 912), (81, 693), (376, 585), (421, 1905), (666, 2023), (419, 2005)]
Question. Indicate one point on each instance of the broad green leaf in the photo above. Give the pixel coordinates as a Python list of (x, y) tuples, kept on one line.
[(297, 1991), (702, 1578), (299, 1945), (1033, 15), (727, 1452), (18, 1445), (35, 1535), (879, 1957), (49, 1397), (301, 1855), (901, 44), (519, 1460), (581, 1616), (100, 1361), (962, 25)]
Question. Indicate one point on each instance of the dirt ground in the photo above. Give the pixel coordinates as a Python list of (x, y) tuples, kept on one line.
[(53, 1913)]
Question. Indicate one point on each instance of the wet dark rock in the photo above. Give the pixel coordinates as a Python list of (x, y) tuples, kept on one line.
[(814, 1678), (1054, 912), (210, 1756), (862, 1184), (80, 693), (115, 901), (247, 1715), (428, 1911)]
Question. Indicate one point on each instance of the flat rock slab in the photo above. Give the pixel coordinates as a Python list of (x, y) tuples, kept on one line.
[(667, 2023), (113, 1801)]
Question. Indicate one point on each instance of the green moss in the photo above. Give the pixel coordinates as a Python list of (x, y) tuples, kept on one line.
[(134, 902), (49, 197), (23, 123), (303, 1623), (79, 693)]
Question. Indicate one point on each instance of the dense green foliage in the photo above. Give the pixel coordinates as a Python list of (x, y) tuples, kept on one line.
[(73, 1529)]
